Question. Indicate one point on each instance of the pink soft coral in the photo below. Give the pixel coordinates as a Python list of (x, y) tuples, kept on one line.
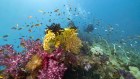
[(51, 64), (14, 61), (52, 68), (11, 59)]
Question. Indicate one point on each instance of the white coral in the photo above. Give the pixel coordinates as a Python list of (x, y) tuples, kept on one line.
[(134, 71), (96, 50)]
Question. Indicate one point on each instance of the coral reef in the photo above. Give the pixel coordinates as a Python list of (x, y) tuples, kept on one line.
[(62, 55)]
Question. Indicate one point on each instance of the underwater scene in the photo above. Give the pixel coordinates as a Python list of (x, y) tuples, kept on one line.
[(69, 39)]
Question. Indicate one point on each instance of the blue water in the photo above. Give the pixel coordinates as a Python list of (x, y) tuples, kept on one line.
[(124, 13)]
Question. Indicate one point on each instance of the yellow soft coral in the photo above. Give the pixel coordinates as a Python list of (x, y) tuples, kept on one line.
[(33, 63), (70, 41), (48, 40)]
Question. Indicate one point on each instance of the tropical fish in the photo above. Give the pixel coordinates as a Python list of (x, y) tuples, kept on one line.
[(50, 20), (14, 28), (20, 28), (27, 25), (38, 39), (4, 36), (32, 26), (31, 37), (37, 24), (68, 19), (56, 10), (30, 30)]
